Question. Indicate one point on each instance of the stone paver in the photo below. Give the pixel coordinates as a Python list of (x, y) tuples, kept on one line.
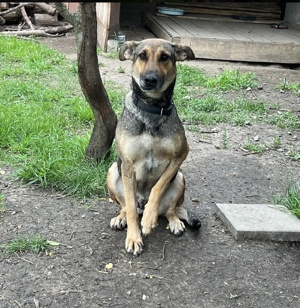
[(259, 221)]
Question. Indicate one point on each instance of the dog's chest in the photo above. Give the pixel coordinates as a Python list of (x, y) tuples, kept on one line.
[(150, 155), (150, 150)]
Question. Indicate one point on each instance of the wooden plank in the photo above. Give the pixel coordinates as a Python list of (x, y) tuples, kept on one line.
[(243, 51), (160, 28), (205, 29), (220, 18), (242, 7), (175, 26)]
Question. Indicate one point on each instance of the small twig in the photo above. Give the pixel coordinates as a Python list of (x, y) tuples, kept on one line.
[(102, 272), (21, 25), (71, 236), (26, 18), (68, 291), (244, 150), (199, 140), (163, 252), (24, 259), (18, 303), (208, 132)]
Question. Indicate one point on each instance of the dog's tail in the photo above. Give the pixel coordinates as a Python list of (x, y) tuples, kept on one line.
[(189, 217)]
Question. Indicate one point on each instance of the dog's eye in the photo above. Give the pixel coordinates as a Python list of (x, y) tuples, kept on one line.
[(164, 57), (143, 56)]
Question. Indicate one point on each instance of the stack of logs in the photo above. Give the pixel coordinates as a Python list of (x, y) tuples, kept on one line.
[(31, 18)]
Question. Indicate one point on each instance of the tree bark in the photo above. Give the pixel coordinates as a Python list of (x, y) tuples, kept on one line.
[(92, 86), (105, 120)]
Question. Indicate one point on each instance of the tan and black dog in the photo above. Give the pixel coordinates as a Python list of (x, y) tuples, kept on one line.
[(151, 144)]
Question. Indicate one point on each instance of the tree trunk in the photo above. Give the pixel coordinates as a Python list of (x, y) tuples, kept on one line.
[(92, 86), (85, 26)]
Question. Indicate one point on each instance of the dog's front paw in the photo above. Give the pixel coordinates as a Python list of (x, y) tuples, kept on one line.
[(177, 227), (134, 243), (118, 223), (149, 222)]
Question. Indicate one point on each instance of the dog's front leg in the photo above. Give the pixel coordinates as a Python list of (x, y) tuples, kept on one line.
[(150, 215), (134, 242)]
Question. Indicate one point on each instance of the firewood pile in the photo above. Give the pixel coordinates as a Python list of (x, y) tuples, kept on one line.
[(31, 18)]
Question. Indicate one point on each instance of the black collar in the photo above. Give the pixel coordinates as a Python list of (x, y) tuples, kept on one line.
[(161, 107), (151, 109)]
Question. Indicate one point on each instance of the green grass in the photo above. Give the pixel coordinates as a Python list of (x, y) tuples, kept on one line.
[(290, 87), (294, 154), (199, 99), (33, 243), (291, 198), (46, 123)]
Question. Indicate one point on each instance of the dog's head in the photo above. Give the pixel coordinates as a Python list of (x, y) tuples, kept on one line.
[(154, 63)]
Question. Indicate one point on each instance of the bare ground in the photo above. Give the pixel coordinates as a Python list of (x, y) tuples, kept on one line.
[(199, 269)]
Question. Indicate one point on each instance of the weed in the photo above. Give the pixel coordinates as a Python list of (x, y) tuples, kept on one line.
[(231, 80), (225, 138), (255, 148), (111, 55), (294, 154), (284, 120), (34, 243), (121, 70), (291, 198), (290, 87), (276, 142)]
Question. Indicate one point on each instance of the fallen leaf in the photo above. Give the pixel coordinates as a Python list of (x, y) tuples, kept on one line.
[(52, 243)]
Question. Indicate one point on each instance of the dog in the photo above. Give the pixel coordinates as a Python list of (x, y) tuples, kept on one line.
[(151, 145)]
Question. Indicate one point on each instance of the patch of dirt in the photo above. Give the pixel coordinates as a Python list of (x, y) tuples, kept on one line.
[(199, 269)]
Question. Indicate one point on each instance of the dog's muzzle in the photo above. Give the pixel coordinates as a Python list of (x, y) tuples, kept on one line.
[(151, 81)]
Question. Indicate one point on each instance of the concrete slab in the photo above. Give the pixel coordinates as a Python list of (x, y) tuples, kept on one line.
[(259, 221)]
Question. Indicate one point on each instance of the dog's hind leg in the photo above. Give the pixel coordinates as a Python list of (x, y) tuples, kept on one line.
[(189, 217), (171, 206), (116, 191)]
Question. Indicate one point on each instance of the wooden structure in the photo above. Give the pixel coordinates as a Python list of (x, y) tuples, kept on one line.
[(209, 29), (233, 41), (107, 21)]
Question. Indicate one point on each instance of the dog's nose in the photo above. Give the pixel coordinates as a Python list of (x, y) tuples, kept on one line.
[(150, 80)]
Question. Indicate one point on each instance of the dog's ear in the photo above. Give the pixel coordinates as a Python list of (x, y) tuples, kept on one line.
[(183, 52), (127, 50)]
